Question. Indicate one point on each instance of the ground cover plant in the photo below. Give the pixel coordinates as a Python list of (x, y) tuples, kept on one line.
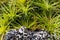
[(33, 14)]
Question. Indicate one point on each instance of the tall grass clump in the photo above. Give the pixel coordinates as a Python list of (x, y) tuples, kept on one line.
[(33, 14)]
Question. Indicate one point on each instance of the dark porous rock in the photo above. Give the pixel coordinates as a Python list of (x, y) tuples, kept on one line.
[(24, 34)]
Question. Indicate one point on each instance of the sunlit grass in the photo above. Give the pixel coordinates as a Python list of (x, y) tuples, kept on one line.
[(41, 14)]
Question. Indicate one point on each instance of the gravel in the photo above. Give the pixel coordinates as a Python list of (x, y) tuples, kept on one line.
[(24, 34)]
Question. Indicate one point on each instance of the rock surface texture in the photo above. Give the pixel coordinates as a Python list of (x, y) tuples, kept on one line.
[(25, 34)]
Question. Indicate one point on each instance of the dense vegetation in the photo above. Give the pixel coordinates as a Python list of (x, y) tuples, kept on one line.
[(33, 14)]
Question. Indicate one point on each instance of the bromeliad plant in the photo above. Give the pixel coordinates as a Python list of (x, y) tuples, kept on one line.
[(41, 14)]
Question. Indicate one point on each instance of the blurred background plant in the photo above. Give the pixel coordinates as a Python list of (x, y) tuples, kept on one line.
[(33, 14)]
